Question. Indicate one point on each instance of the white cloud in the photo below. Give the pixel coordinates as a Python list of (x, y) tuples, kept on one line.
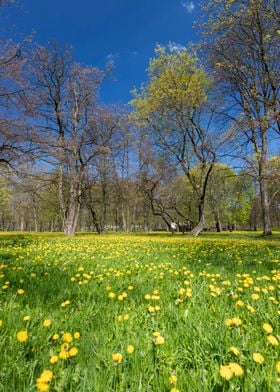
[(189, 6), (173, 46), (112, 57)]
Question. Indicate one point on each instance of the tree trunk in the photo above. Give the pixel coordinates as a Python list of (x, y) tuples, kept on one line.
[(218, 223), (199, 227), (71, 219), (95, 220), (267, 231)]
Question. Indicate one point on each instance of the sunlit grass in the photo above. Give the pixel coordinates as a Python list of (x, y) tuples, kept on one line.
[(151, 312)]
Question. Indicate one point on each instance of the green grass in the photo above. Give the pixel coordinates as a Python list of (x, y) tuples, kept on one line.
[(218, 270)]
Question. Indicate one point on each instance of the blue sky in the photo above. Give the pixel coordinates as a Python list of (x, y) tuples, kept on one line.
[(123, 31)]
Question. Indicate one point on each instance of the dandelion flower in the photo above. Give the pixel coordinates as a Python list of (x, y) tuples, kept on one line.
[(42, 386), (258, 358), (234, 350), (73, 351), (159, 340), (117, 358), (267, 328), (54, 359), (236, 369), (46, 376), (130, 349), (76, 335), (67, 337), (173, 379), (22, 336), (226, 372), (20, 291), (47, 323), (272, 340), (26, 318)]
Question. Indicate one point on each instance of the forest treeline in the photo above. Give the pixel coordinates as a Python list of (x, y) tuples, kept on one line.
[(198, 147)]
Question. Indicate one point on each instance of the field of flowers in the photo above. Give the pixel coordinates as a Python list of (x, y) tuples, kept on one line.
[(143, 313)]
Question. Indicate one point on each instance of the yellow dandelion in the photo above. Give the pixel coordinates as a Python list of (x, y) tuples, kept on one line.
[(64, 355), (277, 365), (159, 340), (73, 351), (26, 318), (77, 335), (172, 379), (67, 337), (20, 291), (226, 372), (22, 336), (117, 358), (258, 358), (236, 369), (272, 340), (130, 349), (54, 359), (47, 323), (267, 328), (42, 386), (46, 376), (234, 350)]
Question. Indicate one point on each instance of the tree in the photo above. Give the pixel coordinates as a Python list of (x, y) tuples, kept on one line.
[(64, 103), (244, 50), (173, 105)]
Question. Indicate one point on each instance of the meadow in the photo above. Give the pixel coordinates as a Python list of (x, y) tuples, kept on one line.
[(140, 312)]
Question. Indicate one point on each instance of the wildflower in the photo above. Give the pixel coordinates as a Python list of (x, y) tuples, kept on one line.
[(20, 291), (55, 336), (47, 323), (236, 369), (234, 350), (76, 335), (174, 390), (258, 358), (236, 321), (111, 295), (26, 318), (159, 340), (255, 296), (267, 328), (1, 323), (22, 336), (42, 386), (272, 340), (54, 359), (117, 358), (46, 376), (64, 355), (73, 351), (130, 349), (67, 337), (277, 366), (226, 372), (173, 379)]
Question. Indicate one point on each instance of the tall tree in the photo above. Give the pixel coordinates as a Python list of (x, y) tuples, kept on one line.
[(244, 49), (173, 106), (65, 104)]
